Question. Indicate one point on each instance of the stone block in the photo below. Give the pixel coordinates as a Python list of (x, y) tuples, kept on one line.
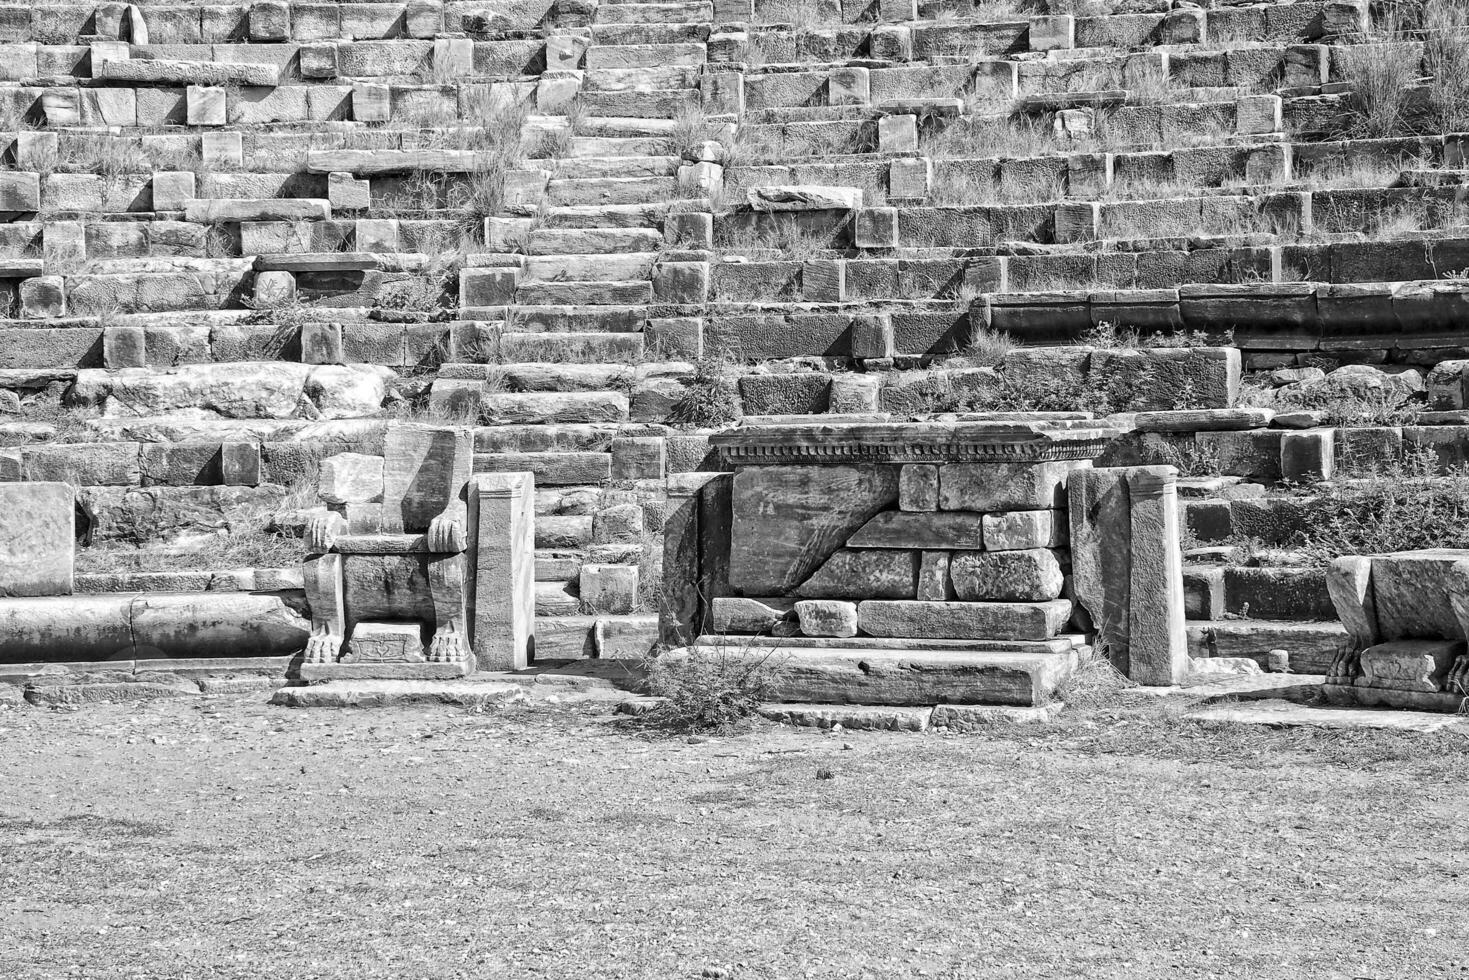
[(20, 192), (610, 590), (932, 530), (37, 539), (864, 573), (734, 614), (371, 102), (1032, 575), (350, 478), (274, 289), (1003, 486), (376, 643), (847, 85), (689, 229), (1421, 594), (171, 188), (485, 287), (270, 20), (897, 134), (43, 297), (1018, 530), (222, 150), (682, 283), (824, 281), (501, 516), (1054, 33), (918, 487), (675, 338), (638, 458), (348, 193), (205, 105), (875, 228), (1257, 115), (933, 576), (963, 620), (910, 178), (827, 617), (1307, 456)]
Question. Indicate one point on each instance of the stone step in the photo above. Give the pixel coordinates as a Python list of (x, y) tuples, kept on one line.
[(568, 469), (645, 55), (611, 190), (663, 34), (908, 677), (898, 718), (612, 638), (584, 293), (553, 599), (690, 12), (571, 348), (589, 268), (608, 322), (626, 127), (611, 146), (644, 79), (606, 216), (643, 104), (621, 167), (583, 241)]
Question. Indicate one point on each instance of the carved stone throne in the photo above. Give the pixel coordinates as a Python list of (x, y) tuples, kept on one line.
[(391, 600), (1407, 616)]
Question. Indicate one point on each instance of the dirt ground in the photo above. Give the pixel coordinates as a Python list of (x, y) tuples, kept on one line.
[(227, 838)]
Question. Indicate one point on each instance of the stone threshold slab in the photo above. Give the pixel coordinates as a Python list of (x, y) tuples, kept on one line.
[(909, 677), (1058, 645), (1284, 714)]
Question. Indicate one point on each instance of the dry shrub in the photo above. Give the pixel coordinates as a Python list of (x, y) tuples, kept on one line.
[(1095, 683), (709, 689)]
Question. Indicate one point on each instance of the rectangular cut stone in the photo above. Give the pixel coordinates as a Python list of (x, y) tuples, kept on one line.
[(873, 676), (918, 487), (1416, 594), (385, 643), (1003, 486), (734, 614), (1020, 529), (933, 576), (37, 539), (789, 519), (1157, 644), (425, 470), (1101, 556), (1409, 665), (939, 529), (827, 617), (502, 555), (963, 620)]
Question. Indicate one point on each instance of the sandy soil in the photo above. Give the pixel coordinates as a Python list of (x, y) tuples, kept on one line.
[(227, 838)]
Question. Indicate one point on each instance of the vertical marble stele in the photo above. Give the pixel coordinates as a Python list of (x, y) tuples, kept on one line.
[(502, 554)]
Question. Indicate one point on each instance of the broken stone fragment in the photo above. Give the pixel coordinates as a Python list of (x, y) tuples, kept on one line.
[(804, 197), (864, 573)]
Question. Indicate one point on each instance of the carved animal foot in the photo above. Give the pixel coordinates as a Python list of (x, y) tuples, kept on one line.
[(1458, 680), (323, 648), (446, 534), (1346, 668), (322, 532), (448, 647)]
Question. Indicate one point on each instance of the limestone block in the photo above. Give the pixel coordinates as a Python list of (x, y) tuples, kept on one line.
[(503, 556), (1307, 456), (1052, 33), (425, 471), (224, 150), (827, 617), (689, 229), (910, 177), (918, 487), (1032, 575), (371, 102), (1018, 530), (1349, 583), (1003, 486), (124, 347), (609, 589), (847, 85), (933, 576), (897, 134), (734, 614), (172, 188), (1157, 645), (1257, 115), (1421, 594), (376, 234), (109, 107), (936, 529), (1409, 665), (61, 107), (270, 20), (784, 525), (42, 297), (892, 43), (638, 458), (239, 464), (273, 289), (321, 343), (872, 337), (683, 283), (824, 281), (875, 228), (350, 478), (318, 60), (1182, 26), (864, 573), (803, 197), (36, 151), (37, 539), (963, 620), (20, 191), (1101, 556), (424, 18), (347, 391), (454, 56)]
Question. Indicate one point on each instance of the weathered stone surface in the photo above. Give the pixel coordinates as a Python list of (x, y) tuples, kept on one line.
[(864, 573), (915, 677), (425, 472), (1415, 592), (190, 72), (853, 717), (608, 589), (938, 529), (964, 620), (933, 576), (827, 617), (1032, 575), (1203, 420), (37, 539), (736, 614), (385, 643), (972, 718), (1349, 583), (918, 487), (805, 197), (350, 478), (785, 524), (1020, 529), (503, 558), (1003, 486), (1409, 665)]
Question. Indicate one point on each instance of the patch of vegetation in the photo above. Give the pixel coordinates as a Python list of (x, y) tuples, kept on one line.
[(710, 399), (708, 689), (1400, 506), (1095, 683)]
